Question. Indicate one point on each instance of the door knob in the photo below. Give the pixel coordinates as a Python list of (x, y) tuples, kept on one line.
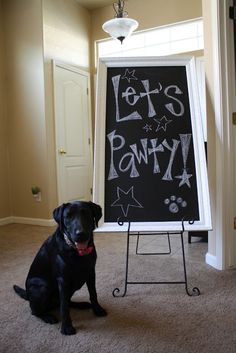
[(61, 151)]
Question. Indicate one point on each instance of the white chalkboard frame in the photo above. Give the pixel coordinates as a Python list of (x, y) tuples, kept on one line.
[(204, 222)]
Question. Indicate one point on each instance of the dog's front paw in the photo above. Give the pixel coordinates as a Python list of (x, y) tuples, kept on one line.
[(99, 311), (68, 330)]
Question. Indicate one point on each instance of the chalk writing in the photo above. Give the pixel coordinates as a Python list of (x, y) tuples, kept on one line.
[(132, 97), (146, 153), (185, 142), (149, 145)]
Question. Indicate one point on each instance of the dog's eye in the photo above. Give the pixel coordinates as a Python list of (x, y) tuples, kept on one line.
[(71, 214)]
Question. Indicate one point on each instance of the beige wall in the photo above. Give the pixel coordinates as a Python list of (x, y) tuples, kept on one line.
[(26, 91), (4, 185), (35, 32), (149, 14), (66, 27), (66, 32), (25, 105), (66, 38)]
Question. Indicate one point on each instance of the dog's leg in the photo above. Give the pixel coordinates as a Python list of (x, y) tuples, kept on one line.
[(97, 309), (80, 305), (37, 292), (64, 293)]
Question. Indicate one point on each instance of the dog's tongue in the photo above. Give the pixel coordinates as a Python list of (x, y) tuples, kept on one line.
[(83, 248), (82, 245)]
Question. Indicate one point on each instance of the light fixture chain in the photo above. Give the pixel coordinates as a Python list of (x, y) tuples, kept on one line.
[(119, 9)]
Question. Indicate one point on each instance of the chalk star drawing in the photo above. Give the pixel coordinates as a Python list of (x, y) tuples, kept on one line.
[(147, 128), (125, 200), (162, 123), (174, 203), (184, 178), (129, 75)]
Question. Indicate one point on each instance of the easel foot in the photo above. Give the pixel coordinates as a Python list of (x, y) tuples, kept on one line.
[(194, 292)]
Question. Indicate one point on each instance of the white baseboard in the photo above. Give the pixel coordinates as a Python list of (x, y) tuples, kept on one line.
[(212, 261), (6, 220), (25, 220)]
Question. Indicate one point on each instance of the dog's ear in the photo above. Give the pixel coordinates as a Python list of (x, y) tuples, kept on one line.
[(58, 214), (97, 212)]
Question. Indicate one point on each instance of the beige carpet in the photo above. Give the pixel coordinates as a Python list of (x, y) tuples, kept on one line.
[(149, 319)]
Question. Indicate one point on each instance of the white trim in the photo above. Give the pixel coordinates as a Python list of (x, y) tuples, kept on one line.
[(229, 108), (218, 172), (6, 220), (25, 220), (224, 239), (141, 42), (200, 69), (212, 261), (204, 222), (223, 228), (34, 221), (70, 67)]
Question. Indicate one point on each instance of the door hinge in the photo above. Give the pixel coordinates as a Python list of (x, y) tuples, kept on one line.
[(232, 12), (87, 91), (89, 141), (91, 191)]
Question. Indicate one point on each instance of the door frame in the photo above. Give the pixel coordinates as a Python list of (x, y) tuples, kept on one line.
[(63, 65), (221, 247)]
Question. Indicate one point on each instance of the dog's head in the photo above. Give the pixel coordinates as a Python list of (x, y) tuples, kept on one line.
[(77, 220)]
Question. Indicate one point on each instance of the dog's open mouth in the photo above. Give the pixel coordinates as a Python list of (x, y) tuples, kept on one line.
[(81, 245), (83, 248)]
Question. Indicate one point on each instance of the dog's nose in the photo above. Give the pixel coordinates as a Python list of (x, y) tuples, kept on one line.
[(80, 234)]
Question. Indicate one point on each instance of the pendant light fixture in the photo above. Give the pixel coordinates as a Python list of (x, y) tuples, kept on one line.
[(121, 26)]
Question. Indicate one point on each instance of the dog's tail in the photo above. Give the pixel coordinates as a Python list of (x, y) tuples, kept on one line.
[(20, 291)]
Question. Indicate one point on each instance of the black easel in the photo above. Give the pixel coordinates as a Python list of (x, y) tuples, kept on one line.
[(194, 292)]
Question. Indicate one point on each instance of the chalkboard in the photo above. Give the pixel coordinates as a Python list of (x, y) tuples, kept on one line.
[(150, 165)]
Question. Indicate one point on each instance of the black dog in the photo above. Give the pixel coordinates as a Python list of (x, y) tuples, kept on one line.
[(63, 264)]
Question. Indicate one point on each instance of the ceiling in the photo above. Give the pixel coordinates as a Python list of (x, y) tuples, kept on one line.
[(94, 4)]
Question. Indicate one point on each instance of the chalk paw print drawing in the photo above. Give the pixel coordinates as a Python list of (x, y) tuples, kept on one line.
[(175, 203)]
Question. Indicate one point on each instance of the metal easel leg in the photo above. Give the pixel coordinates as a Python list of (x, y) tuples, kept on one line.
[(194, 292), (116, 291)]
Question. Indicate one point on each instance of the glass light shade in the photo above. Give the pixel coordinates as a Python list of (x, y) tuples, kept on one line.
[(120, 28)]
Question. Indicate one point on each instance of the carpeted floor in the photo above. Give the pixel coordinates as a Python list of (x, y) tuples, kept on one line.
[(149, 319)]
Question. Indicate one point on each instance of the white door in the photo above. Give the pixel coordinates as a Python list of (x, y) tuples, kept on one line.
[(73, 134)]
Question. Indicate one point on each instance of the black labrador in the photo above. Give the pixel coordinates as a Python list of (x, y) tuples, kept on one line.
[(63, 264)]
